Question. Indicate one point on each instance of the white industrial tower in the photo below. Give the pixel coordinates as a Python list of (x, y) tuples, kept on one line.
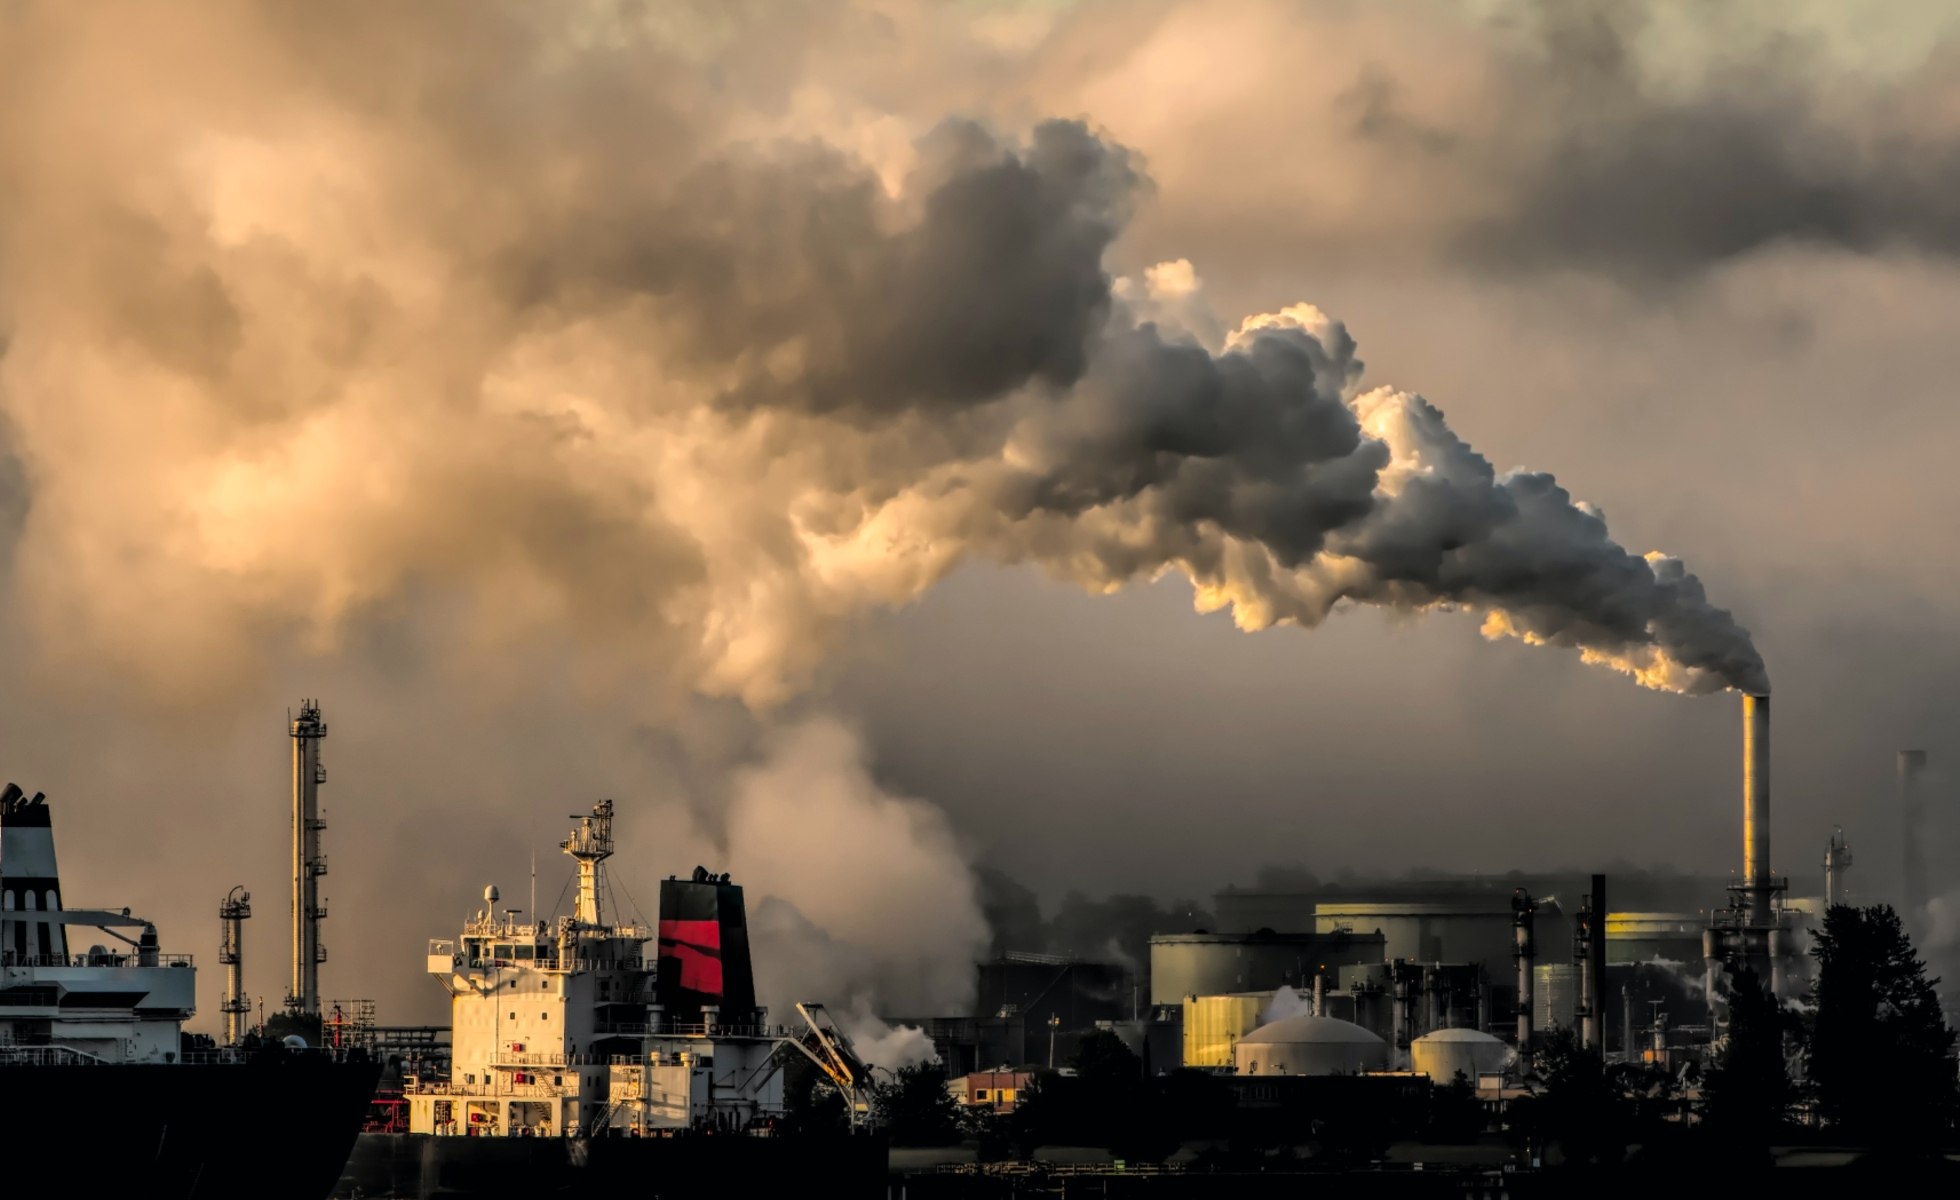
[(237, 906), (307, 730)]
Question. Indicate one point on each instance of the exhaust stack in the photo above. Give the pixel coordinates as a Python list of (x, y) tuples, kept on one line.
[(1755, 808), (1523, 907)]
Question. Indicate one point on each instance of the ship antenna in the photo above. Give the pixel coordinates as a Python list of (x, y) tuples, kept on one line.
[(534, 887)]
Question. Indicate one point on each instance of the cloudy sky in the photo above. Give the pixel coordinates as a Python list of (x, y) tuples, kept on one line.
[(816, 426)]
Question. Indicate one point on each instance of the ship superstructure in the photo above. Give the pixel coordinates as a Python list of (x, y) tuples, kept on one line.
[(81, 1028), (125, 1004), (569, 1029)]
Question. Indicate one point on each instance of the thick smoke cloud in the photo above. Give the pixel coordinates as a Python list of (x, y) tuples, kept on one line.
[(552, 407)]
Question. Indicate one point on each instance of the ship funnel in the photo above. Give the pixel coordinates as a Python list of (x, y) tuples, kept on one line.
[(30, 880), (704, 951)]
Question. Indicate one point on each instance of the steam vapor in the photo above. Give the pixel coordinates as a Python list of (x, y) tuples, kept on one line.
[(702, 397)]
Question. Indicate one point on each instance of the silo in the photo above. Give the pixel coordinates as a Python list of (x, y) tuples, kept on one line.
[(1309, 1045), (1214, 1024), (1213, 964), (1443, 1054), (1463, 929), (1636, 937)]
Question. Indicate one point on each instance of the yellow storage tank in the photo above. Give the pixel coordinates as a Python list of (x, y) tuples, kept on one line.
[(1214, 1024)]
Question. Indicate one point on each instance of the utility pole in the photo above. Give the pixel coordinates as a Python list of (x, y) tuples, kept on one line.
[(1054, 1023)]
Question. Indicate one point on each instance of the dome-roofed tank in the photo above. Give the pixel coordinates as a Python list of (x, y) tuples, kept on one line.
[(1440, 1055), (1308, 1045)]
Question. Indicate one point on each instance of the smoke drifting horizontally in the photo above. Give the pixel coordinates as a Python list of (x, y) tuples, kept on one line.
[(530, 330)]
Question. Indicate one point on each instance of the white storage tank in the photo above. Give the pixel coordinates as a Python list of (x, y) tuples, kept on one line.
[(1308, 1045), (1440, 1055)]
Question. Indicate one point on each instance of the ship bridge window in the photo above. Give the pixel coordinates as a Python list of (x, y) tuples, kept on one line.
[(526, 951)]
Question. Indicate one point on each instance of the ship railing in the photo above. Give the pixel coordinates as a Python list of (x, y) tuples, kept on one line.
[(631, 963), (489, 1090), (10, 959), (48, 1056), (529, 1058), (702, 1029)]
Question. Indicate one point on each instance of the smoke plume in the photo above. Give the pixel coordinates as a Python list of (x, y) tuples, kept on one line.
[(272, 366)]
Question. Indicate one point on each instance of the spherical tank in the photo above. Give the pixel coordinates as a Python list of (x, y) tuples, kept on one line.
[(1309, 1046), (1443, 1054)]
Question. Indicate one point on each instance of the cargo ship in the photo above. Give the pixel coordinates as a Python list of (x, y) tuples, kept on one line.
[(100, 1086), (577, 1061)]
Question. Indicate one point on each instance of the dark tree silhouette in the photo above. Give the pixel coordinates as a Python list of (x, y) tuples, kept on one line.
[(916, 1109), (1881, 1055), (1580, 1117), (1747, 1094)]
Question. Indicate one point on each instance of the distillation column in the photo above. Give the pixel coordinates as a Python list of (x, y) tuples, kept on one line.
[(1837, 858), (231, 952), (309, 864)]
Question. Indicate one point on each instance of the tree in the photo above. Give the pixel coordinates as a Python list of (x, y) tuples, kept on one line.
[(1881, 1055), (810, 1104), (916, 1109), (1580, 1117), (1747, 1094)]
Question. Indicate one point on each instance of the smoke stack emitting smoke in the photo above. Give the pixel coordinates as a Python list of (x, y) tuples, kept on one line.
[(537, 324)]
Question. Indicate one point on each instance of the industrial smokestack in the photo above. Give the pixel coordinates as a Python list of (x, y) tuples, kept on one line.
[(1755, 808), (1589, 951), (1522, 909), (1911, 763)]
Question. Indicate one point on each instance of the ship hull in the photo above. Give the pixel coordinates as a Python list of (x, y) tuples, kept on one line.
[(413, 1166), (256, 1130)]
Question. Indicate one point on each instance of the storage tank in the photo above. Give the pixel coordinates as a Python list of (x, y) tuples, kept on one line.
[(1309, 1046), (1635, 937), (1468, 929), (1444, 1053), (1214, 1024), (1213, 964)]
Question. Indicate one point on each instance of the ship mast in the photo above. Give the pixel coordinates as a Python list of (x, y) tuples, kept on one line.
[(590, 844), (303, 996)]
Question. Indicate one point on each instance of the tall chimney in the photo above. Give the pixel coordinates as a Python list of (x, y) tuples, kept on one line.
[(1589, 951), (1522, 909), (1911, 763), (1755, 807)]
